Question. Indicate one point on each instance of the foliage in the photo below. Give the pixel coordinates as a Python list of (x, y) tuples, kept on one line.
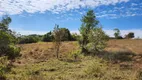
[(130, 35), (92, 37), (75, 37), (58, 37), (117, 33), (66, 35), (89, 22), (29, 39), (48, 37), (7, 40), (3, 67), (97, 40), (96, 68), (75, 54)]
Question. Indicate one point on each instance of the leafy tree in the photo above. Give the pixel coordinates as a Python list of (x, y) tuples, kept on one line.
[(97, 40), (48, 37), (130, 35), (66, 35), (89, 22), (75, 37), (29, 39), (117, 33), (58, 37), (7, 40), (6, 20)]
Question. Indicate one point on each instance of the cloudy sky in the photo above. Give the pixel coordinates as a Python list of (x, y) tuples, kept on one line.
[(40, 16)]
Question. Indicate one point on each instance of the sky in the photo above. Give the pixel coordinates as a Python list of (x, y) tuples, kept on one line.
[(40, 16)]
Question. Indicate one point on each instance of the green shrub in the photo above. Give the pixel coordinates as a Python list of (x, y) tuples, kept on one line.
[(13, 52), (96, 69), (3, 67), (28, 39), (75, 54)]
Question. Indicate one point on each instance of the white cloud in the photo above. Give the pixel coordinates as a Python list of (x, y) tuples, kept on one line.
[(27, 32), (134, 4), (56, 6)]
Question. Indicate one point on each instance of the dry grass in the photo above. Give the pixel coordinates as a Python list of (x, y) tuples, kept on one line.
[(125, 44), (120, 61)]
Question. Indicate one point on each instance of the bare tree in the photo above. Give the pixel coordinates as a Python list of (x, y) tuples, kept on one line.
[(58, 36)]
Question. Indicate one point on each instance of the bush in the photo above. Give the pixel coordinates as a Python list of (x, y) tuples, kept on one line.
[(96, 68), (3, 67), (75, 54), (48, 37), (28, 39), (130, 35), (97, 40), (11, 51), (7, 47)]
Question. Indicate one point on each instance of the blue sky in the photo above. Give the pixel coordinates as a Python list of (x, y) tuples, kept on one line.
[(40, 16)]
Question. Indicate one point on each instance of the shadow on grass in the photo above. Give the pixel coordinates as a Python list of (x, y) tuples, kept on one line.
[(119, 56)]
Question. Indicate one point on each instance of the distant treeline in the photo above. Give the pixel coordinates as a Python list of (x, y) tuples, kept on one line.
[(68, 36), (48, 37)]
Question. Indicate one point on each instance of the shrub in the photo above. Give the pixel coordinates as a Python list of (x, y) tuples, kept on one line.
[(96, 69), (28, 39), (3, 67), (97, 40), (48, 37), (75, 54), (130, 35)]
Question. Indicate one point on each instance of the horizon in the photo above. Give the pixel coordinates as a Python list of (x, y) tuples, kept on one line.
[(39, 17)]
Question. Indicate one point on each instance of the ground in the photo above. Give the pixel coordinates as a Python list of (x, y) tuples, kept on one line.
[(121, 60)]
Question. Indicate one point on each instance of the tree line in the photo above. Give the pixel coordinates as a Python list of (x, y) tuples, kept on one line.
[(48, 37)]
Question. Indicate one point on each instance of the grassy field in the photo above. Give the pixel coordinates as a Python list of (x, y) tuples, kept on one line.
[(121, 60)]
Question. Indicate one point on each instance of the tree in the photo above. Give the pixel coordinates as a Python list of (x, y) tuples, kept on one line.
[(48, 37), (89, 22), (130, 35), (66, 35), (75, 37), (7, 40), (117, 33), (97, 40), (58, 37), (29, 39)]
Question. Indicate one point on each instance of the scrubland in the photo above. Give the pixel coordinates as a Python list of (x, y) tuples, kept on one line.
[(121, 60)]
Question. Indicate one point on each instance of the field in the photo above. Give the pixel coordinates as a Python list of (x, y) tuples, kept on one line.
[(121, 60)]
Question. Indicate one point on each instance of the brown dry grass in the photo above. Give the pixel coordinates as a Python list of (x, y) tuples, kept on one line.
[(43, 51), (38, 59), (125, 44), (40, 52)]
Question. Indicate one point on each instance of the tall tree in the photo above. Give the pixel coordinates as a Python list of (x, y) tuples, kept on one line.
[(89, 22)]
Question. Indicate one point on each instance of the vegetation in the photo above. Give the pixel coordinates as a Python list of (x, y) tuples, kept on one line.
[(93, 38), (130, 35), (111, 59), (48, 37), (117, 34), (58, 37), (29, 39), (97, 40), (7, 40)]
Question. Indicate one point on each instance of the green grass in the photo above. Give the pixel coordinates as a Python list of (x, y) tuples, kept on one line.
[(88, 68)]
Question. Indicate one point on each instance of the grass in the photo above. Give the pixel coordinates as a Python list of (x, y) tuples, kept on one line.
[(121, 60)]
